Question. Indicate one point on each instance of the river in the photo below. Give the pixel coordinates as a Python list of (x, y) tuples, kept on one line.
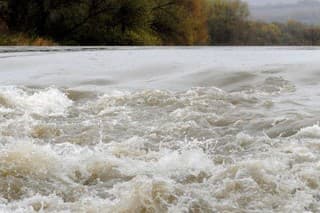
[(160, 129)]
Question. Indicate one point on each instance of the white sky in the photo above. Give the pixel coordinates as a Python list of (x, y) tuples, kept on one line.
[(262, 2)]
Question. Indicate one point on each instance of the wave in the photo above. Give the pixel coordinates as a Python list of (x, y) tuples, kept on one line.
[(48, 102), (204, 149)]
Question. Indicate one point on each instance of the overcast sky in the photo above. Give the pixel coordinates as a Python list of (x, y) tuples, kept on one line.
[(263, 2), (305, 13)]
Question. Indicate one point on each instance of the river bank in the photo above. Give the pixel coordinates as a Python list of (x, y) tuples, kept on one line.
[(19, 39)]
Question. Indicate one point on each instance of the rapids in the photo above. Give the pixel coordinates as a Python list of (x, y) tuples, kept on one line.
[(223, 129)]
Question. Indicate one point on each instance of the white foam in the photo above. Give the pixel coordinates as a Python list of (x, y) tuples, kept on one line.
[(184, 163), (165, 138), (310, 132), (51, 101)]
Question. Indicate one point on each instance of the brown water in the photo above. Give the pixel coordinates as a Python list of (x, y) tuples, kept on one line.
[(180, 130)]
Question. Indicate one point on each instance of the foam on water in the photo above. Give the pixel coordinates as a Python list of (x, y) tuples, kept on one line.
[(152, 151), (49, 102), (312, 132), (247, 145)]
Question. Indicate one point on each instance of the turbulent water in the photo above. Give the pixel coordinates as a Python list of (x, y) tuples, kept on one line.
[(160, 130)]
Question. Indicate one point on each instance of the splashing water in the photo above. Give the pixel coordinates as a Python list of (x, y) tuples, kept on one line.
[(245, 146)]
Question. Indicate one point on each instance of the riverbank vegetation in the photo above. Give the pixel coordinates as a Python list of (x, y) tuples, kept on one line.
[(145, 22), (14, 39)]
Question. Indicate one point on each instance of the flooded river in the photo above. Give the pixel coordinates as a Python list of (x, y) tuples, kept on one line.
[(222, 129)]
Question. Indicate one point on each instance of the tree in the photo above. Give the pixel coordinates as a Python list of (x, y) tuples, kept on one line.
[(84, 21), (180, 21), (312, 35), (3, 16), (140, 22), (227, 21)]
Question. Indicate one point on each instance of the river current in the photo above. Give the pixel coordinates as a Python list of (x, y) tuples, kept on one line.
[(222, 129)]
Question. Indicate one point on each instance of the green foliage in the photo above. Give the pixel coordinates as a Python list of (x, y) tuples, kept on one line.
[(22, 39), (228, 21), (263, 34), (229, 25), (148, 22), (109, 21), (182, 22), (291, 33)]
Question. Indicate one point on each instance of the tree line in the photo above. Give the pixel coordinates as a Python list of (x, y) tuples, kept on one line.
[(149, 22)]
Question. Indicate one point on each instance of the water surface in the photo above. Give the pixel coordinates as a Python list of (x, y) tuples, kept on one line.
[(224, 129)]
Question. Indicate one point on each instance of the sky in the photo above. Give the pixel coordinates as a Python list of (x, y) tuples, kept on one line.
[(305, 13), (263, 2)]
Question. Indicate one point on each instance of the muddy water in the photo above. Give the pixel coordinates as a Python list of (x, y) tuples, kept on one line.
[(160, 130)]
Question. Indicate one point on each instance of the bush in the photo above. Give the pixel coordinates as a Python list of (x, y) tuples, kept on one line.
[(24, 40)]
